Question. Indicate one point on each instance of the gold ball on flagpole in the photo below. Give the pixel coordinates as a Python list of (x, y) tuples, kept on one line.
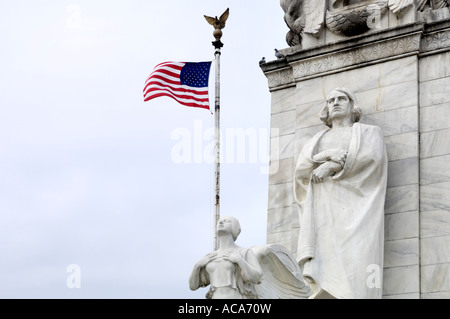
[(217, 34)]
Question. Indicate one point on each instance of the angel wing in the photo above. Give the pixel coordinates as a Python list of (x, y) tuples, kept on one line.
[(282, 275), (421, 4), (439, 4), (398, 5)]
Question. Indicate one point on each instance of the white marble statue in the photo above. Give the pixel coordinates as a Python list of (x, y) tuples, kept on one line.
[(302, 16), (345, 17), (340, 187), (234, 272)]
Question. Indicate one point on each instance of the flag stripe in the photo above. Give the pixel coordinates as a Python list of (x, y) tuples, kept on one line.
[(166, 80), (171, 64), (184, 98), (175, 67), (181, 88), (190, 104), (169, 73), (182, 95), (155, 87)]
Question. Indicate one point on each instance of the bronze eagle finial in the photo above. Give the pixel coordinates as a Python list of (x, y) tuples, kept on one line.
[(218, 23)]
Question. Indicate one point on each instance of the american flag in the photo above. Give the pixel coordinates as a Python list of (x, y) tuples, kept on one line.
[(185, 82)]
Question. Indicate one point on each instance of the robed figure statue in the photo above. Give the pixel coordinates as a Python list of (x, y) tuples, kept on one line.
[(339, 187)]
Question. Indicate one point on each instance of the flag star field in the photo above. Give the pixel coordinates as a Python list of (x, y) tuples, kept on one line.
[(195, 74)]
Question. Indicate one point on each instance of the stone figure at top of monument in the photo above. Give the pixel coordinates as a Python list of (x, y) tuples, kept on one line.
[(339, 187), (302, 16), (397, 6), (345, 17), (432, 4), (349, 18), (234, 272)]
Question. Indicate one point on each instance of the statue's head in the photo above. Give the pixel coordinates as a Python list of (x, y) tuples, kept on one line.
[(229, 224), (355, 111)]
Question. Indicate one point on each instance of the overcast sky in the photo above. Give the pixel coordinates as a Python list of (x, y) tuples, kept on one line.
[(91, 176)]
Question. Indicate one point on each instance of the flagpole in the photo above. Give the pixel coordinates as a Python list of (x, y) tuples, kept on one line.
[(217, 53), (218, 24)]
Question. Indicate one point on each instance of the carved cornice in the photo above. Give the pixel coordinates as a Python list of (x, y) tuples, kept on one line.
[(435, 41), (354, 57), (280, 78), (415, 39)]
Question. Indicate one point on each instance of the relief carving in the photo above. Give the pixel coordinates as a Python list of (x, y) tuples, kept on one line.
[(350, 17)]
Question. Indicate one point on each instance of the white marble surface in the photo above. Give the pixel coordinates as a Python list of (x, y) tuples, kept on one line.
[(396, 121), (401, 252), (402, 199), (401, 226), (401, 280), (280, 219), (371, 77), (280, 195), (402, 146), (390, 97), (435, 197), (306, 114), (435, 177), (283, 100), (403, 172), (414, 295), (435, 143), (283, 122), (286, 146), (431, 170), (434, 223), (435, 281), (284, 173), (283, 238), (435, 250), (434, 92), (430, 67), (435, 117)]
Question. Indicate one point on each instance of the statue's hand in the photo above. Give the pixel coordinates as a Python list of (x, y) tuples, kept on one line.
[(324, 170), (335, 155), (232, 256), (320, 173), (339, 157), (206, 259)]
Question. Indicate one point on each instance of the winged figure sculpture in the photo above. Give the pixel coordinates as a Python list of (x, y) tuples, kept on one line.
[(282, 275), (398, 5), (259, 272)]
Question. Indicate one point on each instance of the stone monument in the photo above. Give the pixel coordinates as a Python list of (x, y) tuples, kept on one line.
[(261, 272), (394, 55), (340, 186)]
